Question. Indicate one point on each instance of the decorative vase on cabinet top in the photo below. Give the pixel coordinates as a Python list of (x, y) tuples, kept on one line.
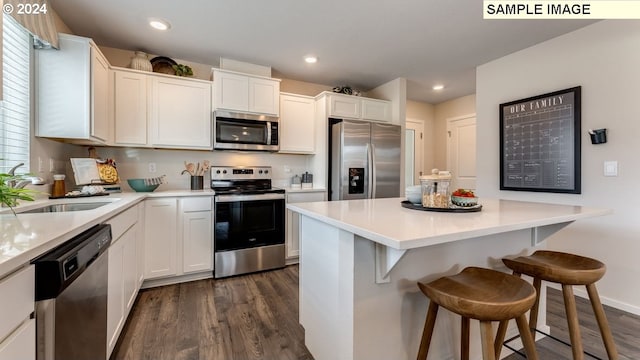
[(141, 62)]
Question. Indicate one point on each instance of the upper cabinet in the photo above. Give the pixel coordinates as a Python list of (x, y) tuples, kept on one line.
[(72, 87), (180, 113), (153, 110), (297, 124), (247, 93), (355, 107)]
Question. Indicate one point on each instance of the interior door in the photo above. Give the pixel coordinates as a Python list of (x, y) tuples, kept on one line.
[(461, 151), (386, 156), (414, 151)]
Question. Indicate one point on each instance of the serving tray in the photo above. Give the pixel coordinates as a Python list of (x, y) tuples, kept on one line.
[(453, 209)]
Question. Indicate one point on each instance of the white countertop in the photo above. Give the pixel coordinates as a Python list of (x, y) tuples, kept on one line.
[(27, 236), (386, 222)]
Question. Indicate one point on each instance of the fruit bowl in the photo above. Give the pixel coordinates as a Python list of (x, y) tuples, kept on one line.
[(139, 185), (464, 201)]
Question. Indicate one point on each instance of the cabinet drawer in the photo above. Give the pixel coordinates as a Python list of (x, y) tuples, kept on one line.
[(196, 204), (21, 344), (17, 300), (305, 197), (122, 222)]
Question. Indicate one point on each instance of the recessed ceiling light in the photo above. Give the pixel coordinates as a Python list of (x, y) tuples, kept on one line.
[(310, 59), (159, 24), (438, 87)]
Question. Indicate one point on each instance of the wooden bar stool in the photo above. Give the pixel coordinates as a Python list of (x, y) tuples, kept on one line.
[(567, 270), (481, 294)]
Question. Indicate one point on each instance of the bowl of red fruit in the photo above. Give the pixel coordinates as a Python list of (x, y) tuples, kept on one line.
[(464, 198)]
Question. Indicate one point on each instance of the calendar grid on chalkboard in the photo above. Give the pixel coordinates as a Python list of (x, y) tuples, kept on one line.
[(540, 143)]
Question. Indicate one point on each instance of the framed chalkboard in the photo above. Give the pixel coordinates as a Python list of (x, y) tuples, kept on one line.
[(540, 143)]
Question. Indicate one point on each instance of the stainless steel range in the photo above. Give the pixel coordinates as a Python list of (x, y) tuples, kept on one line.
[(249, 221)]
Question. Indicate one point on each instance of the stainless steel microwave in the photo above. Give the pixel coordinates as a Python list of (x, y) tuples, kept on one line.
[(239, 131)]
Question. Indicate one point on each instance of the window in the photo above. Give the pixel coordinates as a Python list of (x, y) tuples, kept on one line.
[(16, 103)]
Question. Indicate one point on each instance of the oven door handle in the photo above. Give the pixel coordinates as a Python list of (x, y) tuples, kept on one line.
[(237, 198)]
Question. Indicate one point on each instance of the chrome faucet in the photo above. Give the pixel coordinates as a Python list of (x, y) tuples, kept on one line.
[(12, 172), (14, 183)]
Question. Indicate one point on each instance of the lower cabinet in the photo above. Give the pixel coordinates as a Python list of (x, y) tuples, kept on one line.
[(17, 329), (178, 236), (292, 231), (123, 279), (161, 223)]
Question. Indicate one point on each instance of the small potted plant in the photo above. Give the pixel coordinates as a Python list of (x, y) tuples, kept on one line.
[(9, 194), (182, 70)]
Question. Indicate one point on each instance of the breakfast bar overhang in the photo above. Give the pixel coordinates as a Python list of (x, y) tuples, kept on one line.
[(360, 261)]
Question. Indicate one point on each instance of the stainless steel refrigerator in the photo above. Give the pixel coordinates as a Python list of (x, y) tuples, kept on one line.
[(364, 160)]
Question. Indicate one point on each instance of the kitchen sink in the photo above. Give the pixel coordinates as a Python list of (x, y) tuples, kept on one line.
[(65, 207)]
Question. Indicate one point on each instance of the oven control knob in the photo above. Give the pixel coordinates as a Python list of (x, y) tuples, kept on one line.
[(217, 171), (266, 171), (224, 171), (260, 172)]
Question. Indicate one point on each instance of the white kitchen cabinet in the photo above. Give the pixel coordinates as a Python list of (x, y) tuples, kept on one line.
[(17, 302), (297, 124), (355, 107), (197, 238), (374, 109), (180, 113), (123, 284), (246, 93), (292, 221), (72, 86), (160, 224), (21, 344), (342, 106), (129, 107)]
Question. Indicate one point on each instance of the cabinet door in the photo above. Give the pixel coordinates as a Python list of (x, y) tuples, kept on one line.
[(264, 95), (100, 95), (115, 293), (21, 344), (231, 91), (293, 218), (160, 248), (129, 266), (130, 108), (297, 124), (342, 106), (379, 110), (197, 241), (181, 113)]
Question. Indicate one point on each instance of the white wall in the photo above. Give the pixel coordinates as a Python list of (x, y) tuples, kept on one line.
[(425, 113), (604, 59)]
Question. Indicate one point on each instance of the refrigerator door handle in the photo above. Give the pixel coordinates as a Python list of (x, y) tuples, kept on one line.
[(372, 162)]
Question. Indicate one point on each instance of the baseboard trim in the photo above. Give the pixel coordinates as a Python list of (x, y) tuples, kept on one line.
[(581, 292), (176, 279)]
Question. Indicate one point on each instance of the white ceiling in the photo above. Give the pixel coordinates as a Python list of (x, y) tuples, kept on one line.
[(360, 43)]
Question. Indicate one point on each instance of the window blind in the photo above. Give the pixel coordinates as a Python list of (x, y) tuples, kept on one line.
[(16, 102)]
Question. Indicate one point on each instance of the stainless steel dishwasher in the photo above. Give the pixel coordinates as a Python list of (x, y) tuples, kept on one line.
[(71, 298)]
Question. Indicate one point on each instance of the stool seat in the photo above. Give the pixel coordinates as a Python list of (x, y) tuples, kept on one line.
[(485, 295), (567, 270), (482, 294), (559, 267)]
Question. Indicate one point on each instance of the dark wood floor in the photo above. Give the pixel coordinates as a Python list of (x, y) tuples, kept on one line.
[(256, 317)]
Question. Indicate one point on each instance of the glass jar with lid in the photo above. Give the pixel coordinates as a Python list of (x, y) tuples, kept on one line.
[(435, 189)]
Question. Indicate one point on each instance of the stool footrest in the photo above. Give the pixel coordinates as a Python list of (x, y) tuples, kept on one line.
[(506, 344)]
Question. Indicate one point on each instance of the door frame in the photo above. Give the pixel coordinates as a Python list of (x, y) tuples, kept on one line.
[(418, 150)]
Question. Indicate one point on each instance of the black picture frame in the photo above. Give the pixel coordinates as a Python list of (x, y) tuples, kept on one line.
[(540, 143)]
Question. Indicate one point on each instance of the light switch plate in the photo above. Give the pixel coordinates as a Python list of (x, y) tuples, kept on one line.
[(610, 168)]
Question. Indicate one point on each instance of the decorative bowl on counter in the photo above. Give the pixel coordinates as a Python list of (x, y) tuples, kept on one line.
[(139, 185), (464, 200)]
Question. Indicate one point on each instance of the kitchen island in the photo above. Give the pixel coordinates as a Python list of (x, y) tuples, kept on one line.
[(360, 261)]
